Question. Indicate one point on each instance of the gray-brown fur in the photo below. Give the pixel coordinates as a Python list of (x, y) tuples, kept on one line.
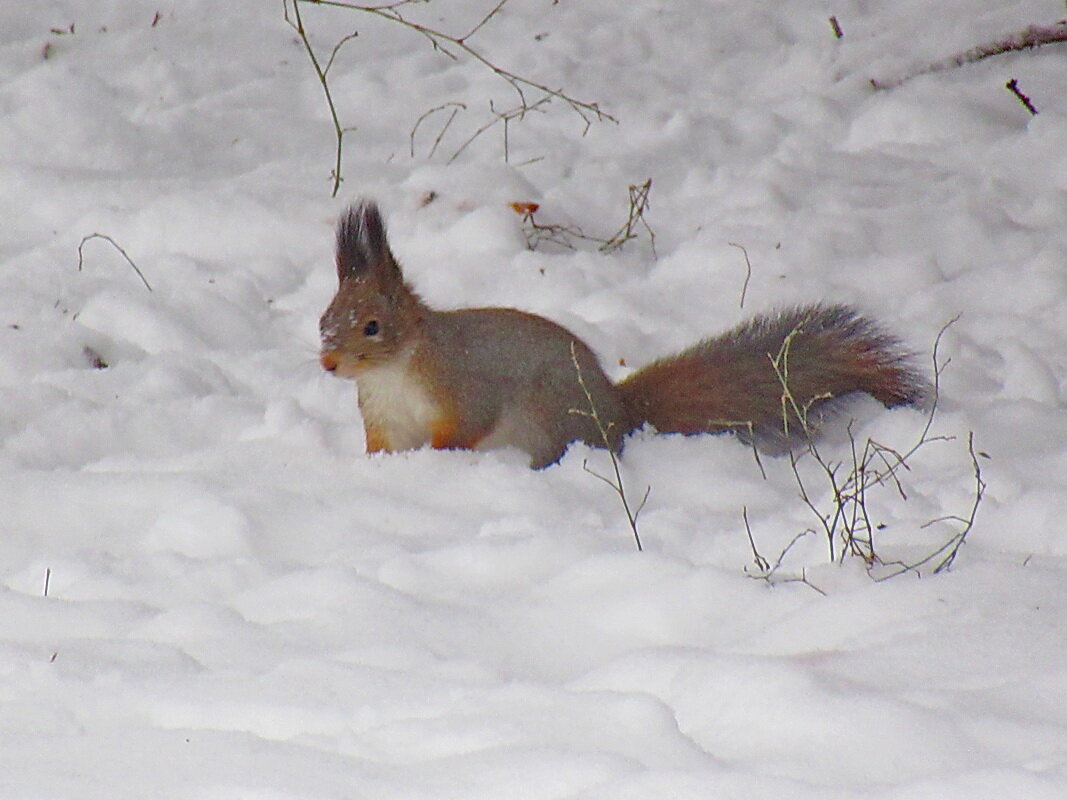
[(536, 393), (730, 382)]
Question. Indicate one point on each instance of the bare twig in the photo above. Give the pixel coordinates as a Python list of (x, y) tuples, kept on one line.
[(537, 233), (446, 43), (565, 235), (1013, 87), (950, 549), (336, 49), (769, 573), (518, 112), (845, 520), (297, 24), (455, 107), (762, 564), (639, 204), (604, 430), (114, 244), (1026, 39)]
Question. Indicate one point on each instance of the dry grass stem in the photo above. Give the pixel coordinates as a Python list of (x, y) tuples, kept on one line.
[(748, 270), (844, 519), (113, 243)]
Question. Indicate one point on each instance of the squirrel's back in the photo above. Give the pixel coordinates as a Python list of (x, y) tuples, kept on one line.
[(512, 379)]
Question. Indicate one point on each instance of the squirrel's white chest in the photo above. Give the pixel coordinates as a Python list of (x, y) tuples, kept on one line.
[(395, 404)]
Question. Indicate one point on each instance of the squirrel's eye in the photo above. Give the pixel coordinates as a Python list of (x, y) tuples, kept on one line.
[(371, 328)]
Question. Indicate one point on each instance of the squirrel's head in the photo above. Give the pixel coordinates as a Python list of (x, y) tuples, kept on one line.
[(372, 316)]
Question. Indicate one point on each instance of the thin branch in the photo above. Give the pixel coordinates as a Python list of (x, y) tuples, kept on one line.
[(537, 232), (951, 548), (297, 24), (603, 429), (451, 46), (336, 48), (846, 522), (762, 564), (768, 573), (588, 111), (483, 21), (456, 108), (639, 204), (518, 112)]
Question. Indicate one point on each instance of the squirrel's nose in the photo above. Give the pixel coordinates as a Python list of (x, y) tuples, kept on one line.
[(328, 361)]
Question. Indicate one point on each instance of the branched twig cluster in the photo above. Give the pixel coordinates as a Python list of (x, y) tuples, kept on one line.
[(1026, 39), (502, 118), (944, 556), (566, 235), (844, 520), (638, 206), (768, 572), (532, 95), (604, 429), (453, 109)]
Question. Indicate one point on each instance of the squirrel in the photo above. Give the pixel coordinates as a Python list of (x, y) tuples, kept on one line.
[(485, 378)]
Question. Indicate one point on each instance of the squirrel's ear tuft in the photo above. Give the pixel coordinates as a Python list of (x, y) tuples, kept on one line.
[(362, 248)]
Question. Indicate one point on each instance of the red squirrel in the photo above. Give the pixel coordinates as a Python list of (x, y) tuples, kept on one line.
[(484, 378)]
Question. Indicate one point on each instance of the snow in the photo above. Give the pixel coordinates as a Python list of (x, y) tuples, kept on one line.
[(207, 590)]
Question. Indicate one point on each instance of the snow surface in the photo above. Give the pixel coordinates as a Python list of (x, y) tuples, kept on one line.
[(207, 590)]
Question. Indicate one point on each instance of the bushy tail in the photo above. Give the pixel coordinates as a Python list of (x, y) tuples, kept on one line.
[(774, 378)]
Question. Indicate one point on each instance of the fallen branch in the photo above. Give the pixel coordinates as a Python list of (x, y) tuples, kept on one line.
[(1027, 39)]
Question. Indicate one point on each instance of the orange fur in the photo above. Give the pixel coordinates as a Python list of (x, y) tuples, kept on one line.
[(377, 441), (445, 435)]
